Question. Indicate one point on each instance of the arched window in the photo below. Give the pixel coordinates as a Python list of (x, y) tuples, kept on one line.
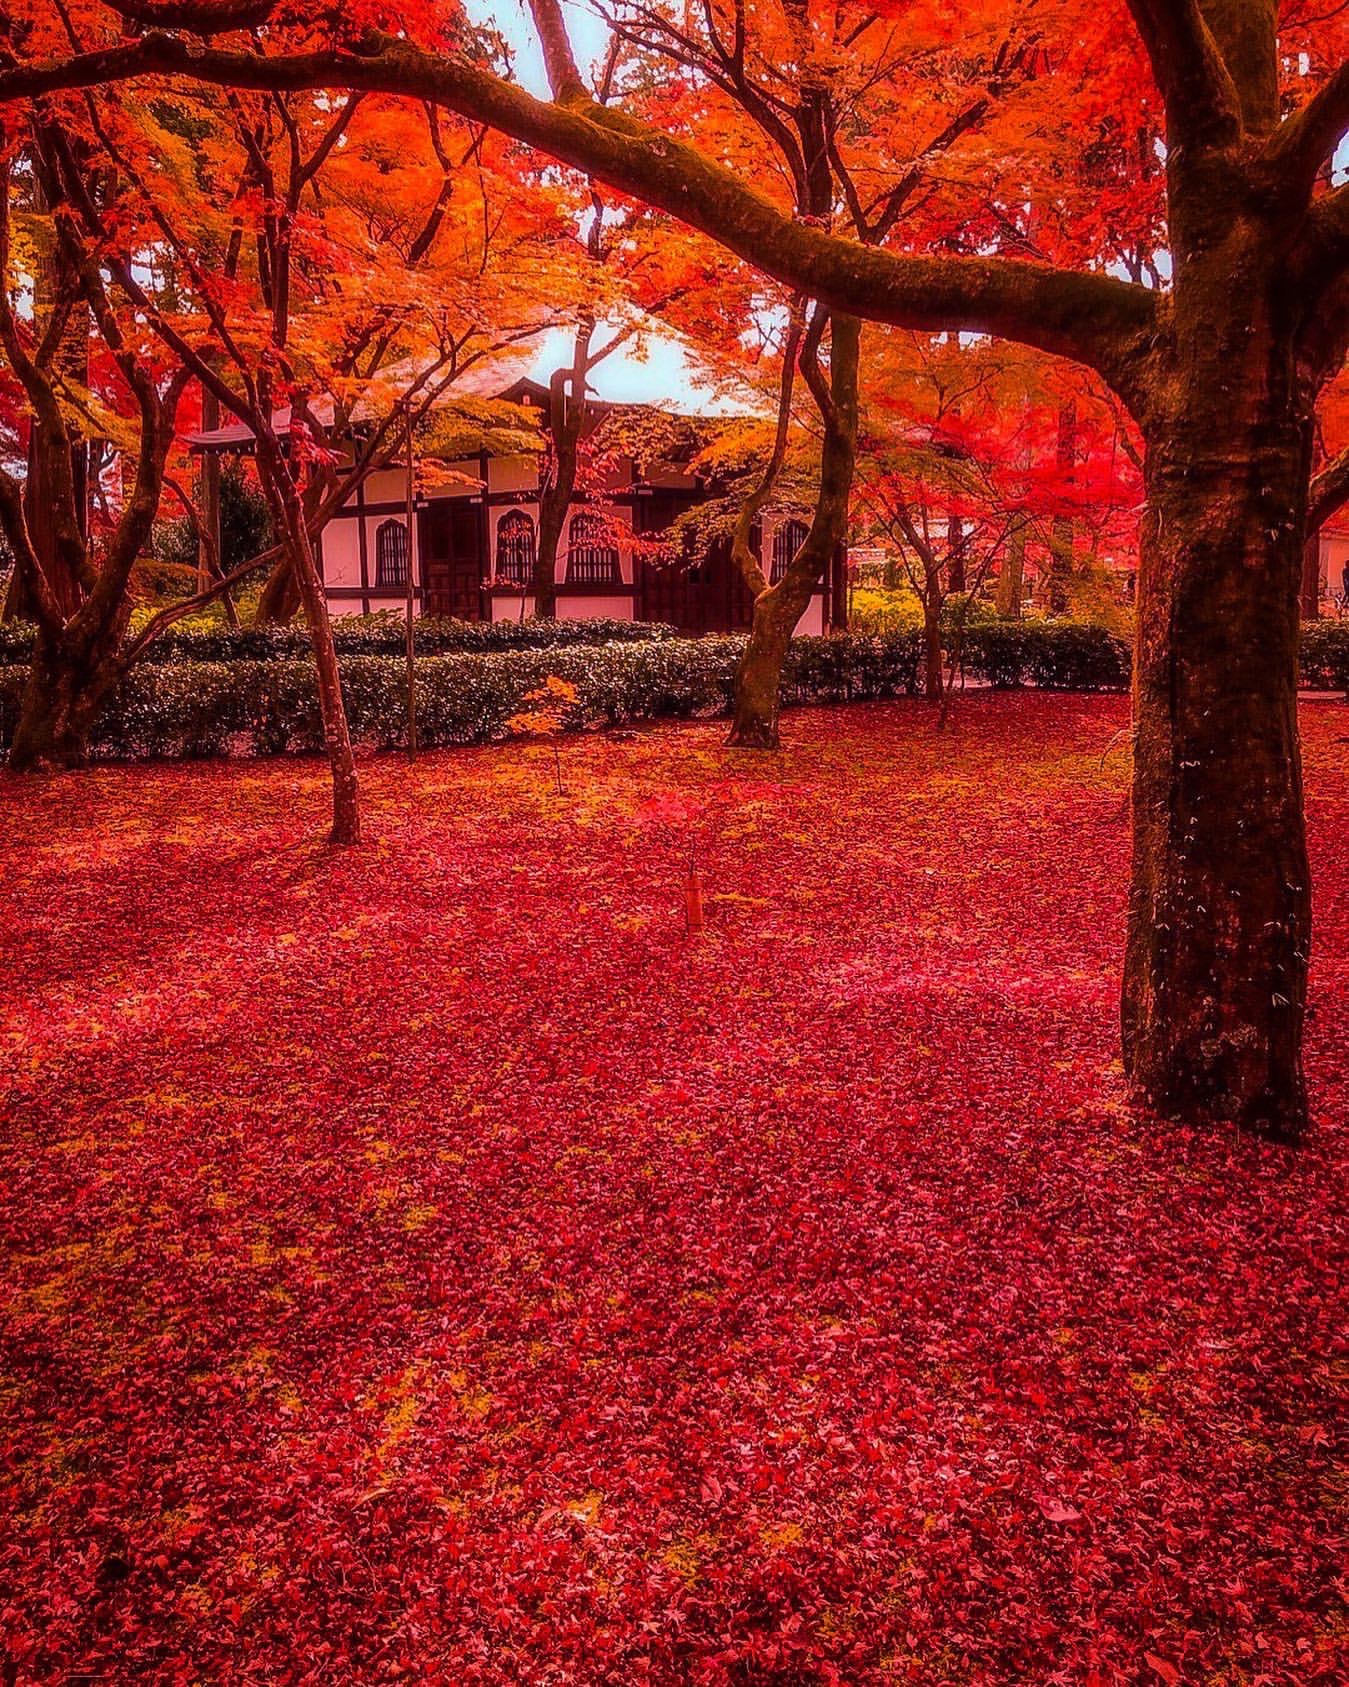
[(591, 559), (391, 556), (787, 541), (515, 548)]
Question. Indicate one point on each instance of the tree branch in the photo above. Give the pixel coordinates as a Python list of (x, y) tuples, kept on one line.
[(1329, 492), (1090, 318), (1203, 106), (1325, 241), (1298, 149)]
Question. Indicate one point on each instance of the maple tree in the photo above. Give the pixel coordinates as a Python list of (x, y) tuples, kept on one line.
[(239, 230)]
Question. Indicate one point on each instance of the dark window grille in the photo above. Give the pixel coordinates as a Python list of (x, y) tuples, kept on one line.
[(591, 560), (787, 541), (515, 548), (391, 556)]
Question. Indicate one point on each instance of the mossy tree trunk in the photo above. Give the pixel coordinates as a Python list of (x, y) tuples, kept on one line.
[(778, 608)]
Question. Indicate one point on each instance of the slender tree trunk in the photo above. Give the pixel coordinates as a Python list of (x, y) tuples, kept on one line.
[(209, 551), (346, 826), (955, 554), (1310, 594), (932, 663), (279, 600), (1219, 922), (758, 680), (289, 518), (1012, 575), (1061, 534)]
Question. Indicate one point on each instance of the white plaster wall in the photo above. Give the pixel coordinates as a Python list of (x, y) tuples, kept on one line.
[(505, 606), (468, 486), (341, 553), (512, 474), (1334, 558), (386, 486), (811, 623)]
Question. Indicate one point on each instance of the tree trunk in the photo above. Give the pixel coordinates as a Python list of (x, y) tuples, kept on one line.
[(1012, 575), (54, 283), (955, 554), (63, 695), (554, 501), (758, 678), (1310, 594), (932, 664), (1061, 533), (1219, 920), (210, 553), (346, 826), (279, 600), (289, 519)]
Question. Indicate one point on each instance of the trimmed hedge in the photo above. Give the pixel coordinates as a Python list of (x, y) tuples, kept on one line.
[(268, 707), (360, 635), (1055, 655)]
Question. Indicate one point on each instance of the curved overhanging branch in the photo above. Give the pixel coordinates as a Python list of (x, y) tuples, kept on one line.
[(1329, 492), (1089, 318)]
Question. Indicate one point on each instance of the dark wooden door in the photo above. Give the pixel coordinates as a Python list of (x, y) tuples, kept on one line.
[(452, 534), (697, 597)]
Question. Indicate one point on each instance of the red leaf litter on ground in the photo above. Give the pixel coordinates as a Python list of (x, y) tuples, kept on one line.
[(428, 1264)]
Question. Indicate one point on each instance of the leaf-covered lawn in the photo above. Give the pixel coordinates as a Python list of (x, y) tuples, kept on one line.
[(428, 1264)]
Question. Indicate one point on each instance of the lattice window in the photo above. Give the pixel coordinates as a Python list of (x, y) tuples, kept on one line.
[(391, 555), (591, 559), (787, 541), (516, 545)]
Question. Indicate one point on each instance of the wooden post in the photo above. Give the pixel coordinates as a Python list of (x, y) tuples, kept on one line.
[(410, 599)]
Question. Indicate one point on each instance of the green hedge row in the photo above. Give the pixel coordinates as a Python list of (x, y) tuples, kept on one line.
[(361, 635), (268, 707), (1055, 655)]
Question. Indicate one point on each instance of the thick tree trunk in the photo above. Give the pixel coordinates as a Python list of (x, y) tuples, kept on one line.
[(64, 693), (1219, 922), (777, 609)]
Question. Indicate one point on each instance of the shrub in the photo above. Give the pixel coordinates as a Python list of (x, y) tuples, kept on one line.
[(1324, 655), (1055, 655), (360, 635), (268, 705)]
